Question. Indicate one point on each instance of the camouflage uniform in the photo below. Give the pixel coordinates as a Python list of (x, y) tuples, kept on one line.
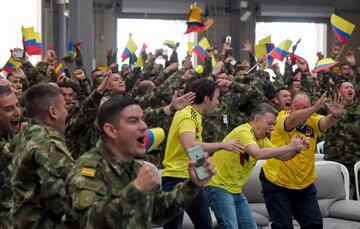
[(234, 110), (102, 194), (81, 134), (342, 141), (5, 185), (40, 164)]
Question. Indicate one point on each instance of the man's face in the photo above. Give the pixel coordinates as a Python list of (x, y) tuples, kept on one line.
[(130, 132), (347, 91), (300, 102), (16, 84), (283, 100), (9, 114), (295, 87), (213, 103), (264, 125), (117, 84), (61, 113), (345, 71), (68, 94), (223, 76)]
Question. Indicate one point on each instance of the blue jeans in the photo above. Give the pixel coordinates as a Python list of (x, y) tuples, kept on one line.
[(231, 210), (198, 211), (282, 203)]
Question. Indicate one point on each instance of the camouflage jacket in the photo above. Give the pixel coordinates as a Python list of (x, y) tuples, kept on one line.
[(81, 134), (342, 140), (40, 164), (5, 185), (102, 194)]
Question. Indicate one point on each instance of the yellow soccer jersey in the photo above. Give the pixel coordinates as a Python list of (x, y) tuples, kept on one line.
[(299, 172), (176, 159), (232, 169)]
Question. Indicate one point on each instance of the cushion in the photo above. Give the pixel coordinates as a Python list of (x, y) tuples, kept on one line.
[(329, 182), (346, 209)]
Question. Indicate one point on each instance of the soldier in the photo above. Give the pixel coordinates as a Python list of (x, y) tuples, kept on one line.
[(9, 125), (108, 188), (282, 99), (41, 161), (341, 142)]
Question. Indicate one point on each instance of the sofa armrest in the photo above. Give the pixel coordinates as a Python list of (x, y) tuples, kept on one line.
[(346, 209)]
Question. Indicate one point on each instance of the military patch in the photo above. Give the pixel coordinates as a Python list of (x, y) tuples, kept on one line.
[(88, 172), (85, 198)]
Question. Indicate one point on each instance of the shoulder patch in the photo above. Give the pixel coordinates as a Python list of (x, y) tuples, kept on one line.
[(88, 172), (85, 198)]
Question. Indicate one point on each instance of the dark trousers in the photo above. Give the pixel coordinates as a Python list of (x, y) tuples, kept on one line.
[(282, 203), (198, 211)]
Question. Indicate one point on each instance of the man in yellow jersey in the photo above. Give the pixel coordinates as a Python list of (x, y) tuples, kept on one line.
[(288, 185), (185, 132), (233, 170)]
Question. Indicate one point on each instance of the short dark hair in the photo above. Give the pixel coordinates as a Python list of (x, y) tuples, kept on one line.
[(340, 82), (344, 64), (110, 110), (202, 87), (5, 91), (280, 89), (39, 98), (261, 109)]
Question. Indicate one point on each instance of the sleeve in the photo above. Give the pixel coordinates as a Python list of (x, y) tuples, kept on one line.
[(187, 125), (315, 123), (280, 122)]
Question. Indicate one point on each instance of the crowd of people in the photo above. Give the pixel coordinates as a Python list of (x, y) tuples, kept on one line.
[(73, 151)]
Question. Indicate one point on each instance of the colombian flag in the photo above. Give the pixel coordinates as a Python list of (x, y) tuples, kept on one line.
[(31, 41), (200, 48), (171, 44), (130, 48), (342, 28), (325, 64), (141, 61), (11, 65), (59, 70), (262, 50), (281, 51)]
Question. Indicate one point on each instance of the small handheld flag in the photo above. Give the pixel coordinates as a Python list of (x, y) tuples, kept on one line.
[(281, 51), (130, 48), (153, 138), (200, 48), (325, 64), (11, 65), (141, 61), (31, 41), (342, 28)]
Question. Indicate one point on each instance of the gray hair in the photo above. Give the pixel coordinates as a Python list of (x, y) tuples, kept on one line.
[(261, 109)]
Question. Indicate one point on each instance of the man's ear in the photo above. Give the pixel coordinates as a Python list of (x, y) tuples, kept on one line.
[(206, 99), (52, 112), (110, 130)]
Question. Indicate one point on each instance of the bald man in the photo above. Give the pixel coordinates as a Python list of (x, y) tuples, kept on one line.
[(288, 187)]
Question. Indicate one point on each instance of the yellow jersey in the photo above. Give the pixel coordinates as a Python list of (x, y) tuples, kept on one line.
[(176, 159), (232, 172), (298, 172)]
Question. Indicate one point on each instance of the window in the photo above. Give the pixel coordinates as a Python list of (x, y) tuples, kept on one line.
[(153, 32), (313, 37), (18, 13)]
